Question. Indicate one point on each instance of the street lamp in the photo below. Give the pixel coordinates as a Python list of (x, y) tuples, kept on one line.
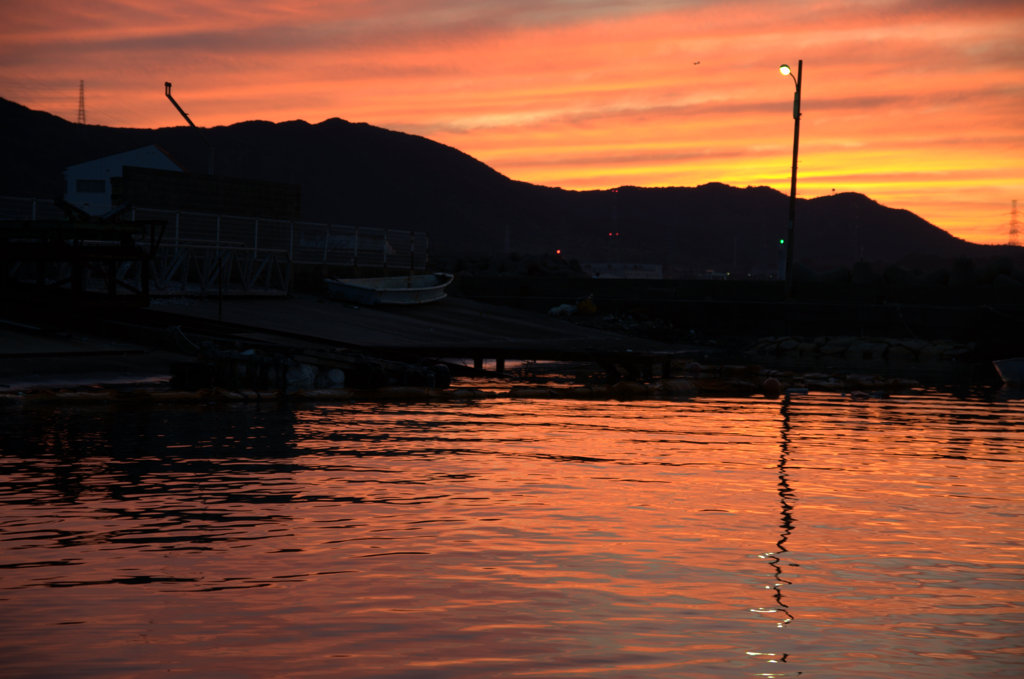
[(786, 70)]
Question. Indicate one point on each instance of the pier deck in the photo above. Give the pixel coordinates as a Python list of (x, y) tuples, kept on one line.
[(452, 328), (51, 349)]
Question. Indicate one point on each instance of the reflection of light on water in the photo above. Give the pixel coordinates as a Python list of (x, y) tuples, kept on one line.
[(563, 535), (786, 521), (771, 658), (523, 373)]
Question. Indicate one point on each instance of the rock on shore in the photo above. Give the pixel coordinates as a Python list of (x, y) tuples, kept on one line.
[(858, 349)]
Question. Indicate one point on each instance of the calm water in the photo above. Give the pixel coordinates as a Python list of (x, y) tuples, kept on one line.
[(817, 536)]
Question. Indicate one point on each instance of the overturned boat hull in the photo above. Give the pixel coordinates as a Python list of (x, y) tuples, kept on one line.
[(400, 290)]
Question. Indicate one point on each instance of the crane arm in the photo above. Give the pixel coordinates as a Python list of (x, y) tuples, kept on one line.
[(167, 91)]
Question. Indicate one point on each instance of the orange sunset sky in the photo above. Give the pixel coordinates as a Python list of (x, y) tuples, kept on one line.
[(918, 104)]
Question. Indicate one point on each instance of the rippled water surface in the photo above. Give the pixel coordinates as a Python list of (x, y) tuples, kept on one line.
[(817, 536)]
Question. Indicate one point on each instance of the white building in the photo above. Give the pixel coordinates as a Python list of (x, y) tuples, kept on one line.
[(87, 185)]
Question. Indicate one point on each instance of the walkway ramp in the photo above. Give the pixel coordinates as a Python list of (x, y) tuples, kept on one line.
[(454, 328)]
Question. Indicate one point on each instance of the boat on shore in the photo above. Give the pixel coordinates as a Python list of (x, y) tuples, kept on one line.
[(399, 290), (1011, 370)]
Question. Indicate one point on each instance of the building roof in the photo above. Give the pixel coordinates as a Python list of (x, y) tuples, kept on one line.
[(151, 156)]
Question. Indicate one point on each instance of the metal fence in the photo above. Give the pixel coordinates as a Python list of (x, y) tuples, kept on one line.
[(304, 242), (203, 252), (29, 209)]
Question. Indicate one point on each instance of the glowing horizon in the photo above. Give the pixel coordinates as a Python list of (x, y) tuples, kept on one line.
[(916, 105)]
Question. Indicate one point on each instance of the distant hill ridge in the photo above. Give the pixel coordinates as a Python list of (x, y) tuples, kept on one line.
[(355, 173)]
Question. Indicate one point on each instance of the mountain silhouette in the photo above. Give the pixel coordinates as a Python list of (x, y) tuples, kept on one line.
[(358, 174)]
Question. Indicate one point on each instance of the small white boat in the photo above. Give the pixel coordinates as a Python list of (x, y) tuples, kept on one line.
[(1011, 370), (410, 289)]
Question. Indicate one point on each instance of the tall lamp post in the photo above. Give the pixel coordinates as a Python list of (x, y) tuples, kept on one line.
[(786, 70)]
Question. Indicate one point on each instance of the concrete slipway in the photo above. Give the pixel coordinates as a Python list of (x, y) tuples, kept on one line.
[(453, 328), (56, 352)]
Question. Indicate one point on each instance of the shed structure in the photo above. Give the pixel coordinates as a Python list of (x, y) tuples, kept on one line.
[(89, 186)]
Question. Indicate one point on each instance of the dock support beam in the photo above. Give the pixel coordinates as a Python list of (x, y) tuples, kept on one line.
[(499, 364)]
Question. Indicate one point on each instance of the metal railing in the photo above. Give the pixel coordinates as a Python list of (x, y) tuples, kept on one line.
[(29, 209), (304, 242), (208, 253)]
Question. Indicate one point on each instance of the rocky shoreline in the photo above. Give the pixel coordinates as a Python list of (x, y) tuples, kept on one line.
[(848, 348), (73, 368), (689, 380)]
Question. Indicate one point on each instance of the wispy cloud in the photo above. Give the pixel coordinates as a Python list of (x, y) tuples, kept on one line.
[(909, 101)]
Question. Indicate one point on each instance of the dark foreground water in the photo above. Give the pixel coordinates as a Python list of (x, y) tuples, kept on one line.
[(816, 536)]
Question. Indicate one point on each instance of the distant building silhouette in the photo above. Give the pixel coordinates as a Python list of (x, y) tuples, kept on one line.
[(89, 185), (184, 191), (149, 177)]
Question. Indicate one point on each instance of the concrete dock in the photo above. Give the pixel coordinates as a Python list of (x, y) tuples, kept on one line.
[(54, 351), (34, 358), (455, 327)]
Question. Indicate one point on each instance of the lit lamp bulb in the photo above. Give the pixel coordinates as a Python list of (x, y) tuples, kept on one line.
[(785, 69)]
